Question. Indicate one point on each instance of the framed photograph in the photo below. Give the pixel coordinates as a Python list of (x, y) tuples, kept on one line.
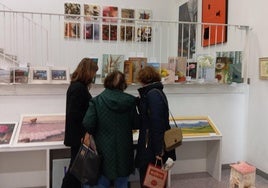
[(109, 32), (214, 12), (110, 14), (59, 75), (72, 9), (193, 126), (144, 14), (263, 68), (40, 129), (128, 71), (91, 31), (144, 34), (128, 15), (71, 30), (127, 33), (90, 11), (39, 75), (7, 133)]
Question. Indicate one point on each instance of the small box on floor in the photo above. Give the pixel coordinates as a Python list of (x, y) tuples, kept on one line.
[(242, 175)]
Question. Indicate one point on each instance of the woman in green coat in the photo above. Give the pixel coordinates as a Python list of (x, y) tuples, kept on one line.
[(110, 118)]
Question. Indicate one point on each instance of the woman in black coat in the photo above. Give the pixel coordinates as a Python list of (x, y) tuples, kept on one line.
[(77, 100), (154, 111)]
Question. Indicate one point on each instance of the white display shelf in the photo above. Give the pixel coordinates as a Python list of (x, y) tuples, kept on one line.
[(59, 89)]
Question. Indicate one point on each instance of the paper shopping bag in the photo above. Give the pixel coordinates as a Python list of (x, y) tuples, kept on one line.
[(155, 177)]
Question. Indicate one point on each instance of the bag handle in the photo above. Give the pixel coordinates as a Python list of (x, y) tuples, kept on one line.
[(165, 101)]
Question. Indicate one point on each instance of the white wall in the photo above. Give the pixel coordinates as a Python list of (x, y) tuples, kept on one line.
[(243, 125)]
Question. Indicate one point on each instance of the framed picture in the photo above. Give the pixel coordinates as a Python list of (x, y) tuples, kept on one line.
[(144, 14), (91, 31), (191, 70), (71, 30), (193, 126), (214, 12), (19, 75), (59, 75), (110, 14), (127, 33), (263, 68), (39, 75), (40, 129), (5, 76), (72, 9), (137, 64), (128, 15), (109, 32), (7, 133), (91, 12), (128, 71)]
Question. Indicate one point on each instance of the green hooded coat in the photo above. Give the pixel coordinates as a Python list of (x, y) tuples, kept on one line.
[(110, 118)]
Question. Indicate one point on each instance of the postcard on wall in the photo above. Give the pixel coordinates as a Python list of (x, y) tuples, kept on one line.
[(71, 30), (59, 75), (7, 133), (196, 126), (91, 12), (143, 14), (91, 31), (110, 14), (181, 66), (39, 75), (127, 15), (127, 33), (144, 34), (168, 72), (40, 129), (20, 75), (111, 62), (109, 32), (137, 64), (72, 9)]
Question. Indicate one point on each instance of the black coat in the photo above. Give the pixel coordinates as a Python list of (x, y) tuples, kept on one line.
[(77, 100), (154, 111)]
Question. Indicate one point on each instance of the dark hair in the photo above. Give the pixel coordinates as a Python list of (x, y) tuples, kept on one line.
[(85, 71), (148, 75), (115, 80)]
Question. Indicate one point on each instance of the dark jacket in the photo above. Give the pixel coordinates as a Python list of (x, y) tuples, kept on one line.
[(110, 119), (154, 111), (77, 99)]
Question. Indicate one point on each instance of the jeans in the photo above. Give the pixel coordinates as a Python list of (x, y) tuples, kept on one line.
[(120, 182)]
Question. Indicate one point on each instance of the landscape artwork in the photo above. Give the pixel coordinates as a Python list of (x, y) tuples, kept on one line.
[(7, 133), (112, 62), (39, 75), (59, 75), (196, 126), (43, 129)]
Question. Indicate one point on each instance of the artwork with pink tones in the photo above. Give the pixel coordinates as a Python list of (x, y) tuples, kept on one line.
[(45, 129), (7, 132)]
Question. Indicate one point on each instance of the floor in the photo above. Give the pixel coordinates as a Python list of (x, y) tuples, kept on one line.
[(204, 180)]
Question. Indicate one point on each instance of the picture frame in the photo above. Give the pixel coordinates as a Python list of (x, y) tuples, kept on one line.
[(39, 75), (59, 75), (72, 9), (196, 126), (128, 71), (263, 68), (214, 12), (7, 133), (40, 129)]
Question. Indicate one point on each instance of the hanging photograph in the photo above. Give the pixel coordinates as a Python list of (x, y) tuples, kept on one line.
[(90, 11), (39, 75), (110, 14), (263, 68), (72, 9), (109, 32), (144, 34), (127, 33), (127, 15), (59, 75), (19, 75), (91, 31), (7, 133), (143, 14), (193, 126), (214, 12), (40, 129), (71, 30)]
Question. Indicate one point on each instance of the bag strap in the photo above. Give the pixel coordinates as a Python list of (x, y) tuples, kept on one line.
[(165, 101)]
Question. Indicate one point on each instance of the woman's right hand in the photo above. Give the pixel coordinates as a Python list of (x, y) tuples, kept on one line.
[(86, 139)]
